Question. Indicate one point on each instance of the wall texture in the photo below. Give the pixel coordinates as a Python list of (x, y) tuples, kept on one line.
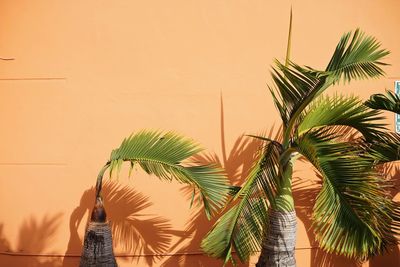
[(86, 74)]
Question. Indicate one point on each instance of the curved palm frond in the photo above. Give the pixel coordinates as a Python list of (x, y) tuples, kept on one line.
[(242, 227), (166, 156), (385, 148), (388, 101), (340, 110), (357, 56), (294, 86), (352, 214)]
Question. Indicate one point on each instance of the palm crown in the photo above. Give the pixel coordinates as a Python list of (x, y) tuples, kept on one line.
[(167, 156), (352, 214)]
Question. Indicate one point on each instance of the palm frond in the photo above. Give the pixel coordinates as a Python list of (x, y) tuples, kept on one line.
[(384, 148), (341, 110), (280, 105), (294, 88), (357, 56), (166, 155), (388, 101), (241, 227), (352, 214), (263, 138), (168, 147)]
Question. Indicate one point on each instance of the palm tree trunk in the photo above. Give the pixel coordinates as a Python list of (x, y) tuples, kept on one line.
[(98, 245), (279, 241), (280, 237)]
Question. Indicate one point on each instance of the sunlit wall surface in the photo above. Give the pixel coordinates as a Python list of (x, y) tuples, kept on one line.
[(85, 74)]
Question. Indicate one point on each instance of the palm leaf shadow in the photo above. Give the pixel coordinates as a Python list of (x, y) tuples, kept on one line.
[(134, 232), (34, 237), (4, 243), (237, 165)]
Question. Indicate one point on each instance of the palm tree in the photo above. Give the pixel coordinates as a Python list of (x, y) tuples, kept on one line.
[(167, 156), (352, 215)]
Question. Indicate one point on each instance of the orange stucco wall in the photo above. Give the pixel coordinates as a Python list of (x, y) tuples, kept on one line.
[(86, 74)]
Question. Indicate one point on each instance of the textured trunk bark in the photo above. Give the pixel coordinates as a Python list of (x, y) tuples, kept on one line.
[(279, 241), (98, 247)]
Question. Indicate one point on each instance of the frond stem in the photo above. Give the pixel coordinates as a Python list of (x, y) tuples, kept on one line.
[(99, 182), (304, 104), (284, 197)]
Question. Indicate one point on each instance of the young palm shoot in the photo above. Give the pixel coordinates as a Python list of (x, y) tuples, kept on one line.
[(352, 215), (166, 156)]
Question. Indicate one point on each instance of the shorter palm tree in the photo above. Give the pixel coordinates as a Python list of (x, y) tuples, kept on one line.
[(167, 156)]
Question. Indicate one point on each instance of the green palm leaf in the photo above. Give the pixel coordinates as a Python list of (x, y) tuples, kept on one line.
[(341, 110), (294, 85), (166, 156), (352, 214), (385, 148), (242, 227), (388, 101), (356, 56)]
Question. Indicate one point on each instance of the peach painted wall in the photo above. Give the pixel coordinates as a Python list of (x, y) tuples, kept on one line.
[(86, 74)]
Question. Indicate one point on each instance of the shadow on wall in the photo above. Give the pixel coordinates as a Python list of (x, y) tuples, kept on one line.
[(33, 239), (134, 232), (240, 157), (4, 244), (141, 235), (236, 164)]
